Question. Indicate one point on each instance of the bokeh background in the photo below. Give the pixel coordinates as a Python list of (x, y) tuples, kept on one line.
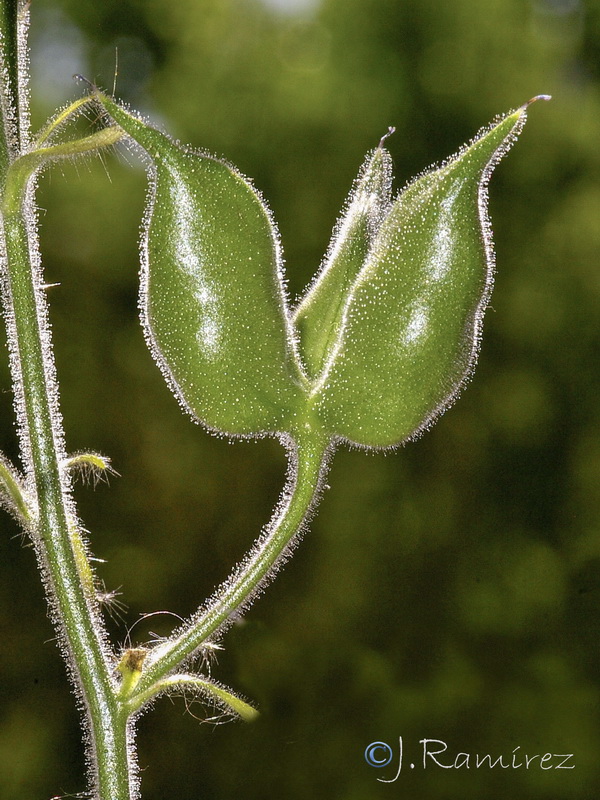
[(450, 590)]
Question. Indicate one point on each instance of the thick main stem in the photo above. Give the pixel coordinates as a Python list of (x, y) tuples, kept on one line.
[(78, 624), (10, 97), (77, 621), (310, 461)]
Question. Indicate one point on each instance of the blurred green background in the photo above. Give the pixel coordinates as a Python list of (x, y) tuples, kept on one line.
[(450, 590)]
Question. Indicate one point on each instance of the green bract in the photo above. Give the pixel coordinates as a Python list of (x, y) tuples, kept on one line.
[(384, 337), (319, 317)]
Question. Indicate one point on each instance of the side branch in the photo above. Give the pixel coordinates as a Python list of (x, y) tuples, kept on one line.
[(309, 461)]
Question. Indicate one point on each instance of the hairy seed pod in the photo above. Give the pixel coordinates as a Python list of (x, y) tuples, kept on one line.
[(407, 324), (212, 298), (384, 337)]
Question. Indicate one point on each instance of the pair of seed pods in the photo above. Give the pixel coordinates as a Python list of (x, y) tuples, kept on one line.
[(384, 336)]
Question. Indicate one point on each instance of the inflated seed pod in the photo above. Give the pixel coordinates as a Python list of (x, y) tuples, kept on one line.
[(212, 298), (407, 323)]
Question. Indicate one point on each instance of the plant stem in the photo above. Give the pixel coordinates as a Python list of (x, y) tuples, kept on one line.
[(76, 620), (108, 706), (78, 624), (310, 459), (10, 116), (20, 170)]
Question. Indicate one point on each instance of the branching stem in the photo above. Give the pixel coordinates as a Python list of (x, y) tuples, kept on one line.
[(310, 459), (110, 702)]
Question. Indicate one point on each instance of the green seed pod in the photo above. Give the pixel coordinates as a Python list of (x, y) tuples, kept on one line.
[(389, 330), (406, 324), (212, 299)]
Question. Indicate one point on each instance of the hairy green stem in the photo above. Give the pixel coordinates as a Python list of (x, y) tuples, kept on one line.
[(21, 168), (310, 458), (77, 621), (14, 494), (11, 12)]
